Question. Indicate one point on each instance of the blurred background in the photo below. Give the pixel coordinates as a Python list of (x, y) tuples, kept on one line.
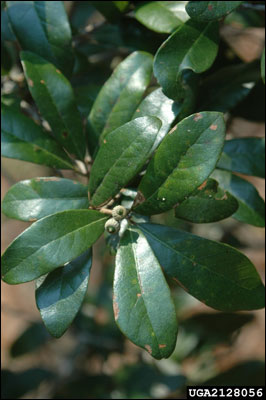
[(93, 359)]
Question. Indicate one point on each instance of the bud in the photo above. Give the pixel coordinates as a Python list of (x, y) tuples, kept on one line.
[(112, 226), (119, 212)]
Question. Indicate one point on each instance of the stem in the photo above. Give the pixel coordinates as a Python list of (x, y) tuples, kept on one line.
[(106, 211)]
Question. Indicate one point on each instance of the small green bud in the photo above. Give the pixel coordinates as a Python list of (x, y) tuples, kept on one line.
[(112, 226), (119, 212)]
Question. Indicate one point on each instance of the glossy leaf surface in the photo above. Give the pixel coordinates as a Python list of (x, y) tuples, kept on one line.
[(201, 267), (55, 99), (120, 95), (162, 16), (49, 243), (251, 208), (42, 27), (121, 157), (193, 46), (244, 155), (158, 105), (6, 30), (182, 162), (23, 139), (209, 203), (210, 10), (143, 307), (59, 295), (36, 198)]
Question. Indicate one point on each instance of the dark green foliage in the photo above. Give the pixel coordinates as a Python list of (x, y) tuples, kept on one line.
[(134, 108)]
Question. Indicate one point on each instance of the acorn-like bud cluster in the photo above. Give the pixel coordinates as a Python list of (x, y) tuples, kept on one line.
[(113, 224), (119, 212)]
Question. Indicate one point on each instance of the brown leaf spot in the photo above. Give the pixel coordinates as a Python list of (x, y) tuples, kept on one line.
[(33, 219), (59, 72), (31, 83), (116, 309), (197, 117), (161, 346), (65, 134), (42, 82), (148, 348), (202, 186), (210, 7), (138, 110), (180, 284), (213, 127), (139, 294), (104, 141)]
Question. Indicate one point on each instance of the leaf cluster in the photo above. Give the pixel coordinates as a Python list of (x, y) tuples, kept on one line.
[(147, 134)]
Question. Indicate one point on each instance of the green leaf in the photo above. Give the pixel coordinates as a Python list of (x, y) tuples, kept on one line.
[(60, 294), (156, 104), (182, 162), (162, 16), (244, 155), (210, 10), (251, 208), (262, 65), (36, 198), (111, 10), (85, 96), (6, 30), (194, 45), (121, 157), (224, 89), (43, 28), (143, 306), (209, 203), (189, 82), (24, 140), (49, 243), (56, 101), (214, 273), (120, 96)]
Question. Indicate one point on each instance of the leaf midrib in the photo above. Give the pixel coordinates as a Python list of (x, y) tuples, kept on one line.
[(138, 135), (202, 33), (104, 133), (169, 11), (181, 158), (52, 155), (54, 240), (61, 118), (142, 293)]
